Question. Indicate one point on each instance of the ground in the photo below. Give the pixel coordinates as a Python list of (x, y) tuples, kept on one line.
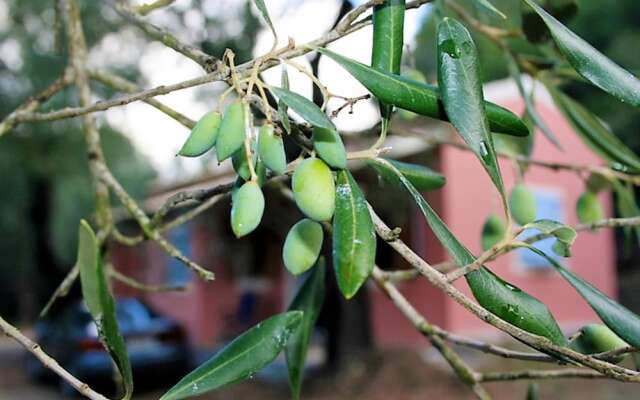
[(387, 375)]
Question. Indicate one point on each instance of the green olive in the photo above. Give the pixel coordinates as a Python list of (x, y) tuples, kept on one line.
[(271, 150), (240, 164), (247, 209), (523, 204), (588, 208), (329, 146), (232, 130), (302, 246), (203, 135), (493, 231), (597, 338), (314, 189)]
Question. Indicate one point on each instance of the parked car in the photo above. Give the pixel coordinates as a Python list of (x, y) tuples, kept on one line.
[(156, 344)]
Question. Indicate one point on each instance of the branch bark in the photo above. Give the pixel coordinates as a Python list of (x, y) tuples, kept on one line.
[(35, 349)]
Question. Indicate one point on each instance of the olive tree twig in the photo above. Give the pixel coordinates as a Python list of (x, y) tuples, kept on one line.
[(46, 360), (460, 367), (146, 8), (121, 84), (145, 224), (208, 62), (32, 103)]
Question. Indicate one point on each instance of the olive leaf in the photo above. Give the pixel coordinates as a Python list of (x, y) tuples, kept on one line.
[(282, 106), (354, 238), (388, 41), (420, 97), (461, 90), (494, 294), (309, 300), (240, 359), (593, 132), (100, 304), (487, 5), (565, 235), (265, 15), (589, 62), (514, 71), (421, 177), (618, 318), (304, 107)]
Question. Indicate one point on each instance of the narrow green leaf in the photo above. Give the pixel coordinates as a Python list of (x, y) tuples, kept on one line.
[(265, 15), (388, 41), (421, 177), (487, 4), (461, 89), (100, 304), (618, 318), (594, 133), (309, 300), (499, 297), (282, 106), (304, 107), (240, 359), (354, 238), (420, 97), (560, 231), (514, 70), (627, 207), (589, 62)]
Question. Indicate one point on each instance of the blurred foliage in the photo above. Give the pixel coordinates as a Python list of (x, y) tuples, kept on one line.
[(612, 28)]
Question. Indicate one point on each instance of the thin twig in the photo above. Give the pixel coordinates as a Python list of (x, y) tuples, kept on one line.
[(129, 281), (206, 61), (46, 360), (462, 370), (145, 224), (542, 374), (146, 8), (33, 102), (119, 83)]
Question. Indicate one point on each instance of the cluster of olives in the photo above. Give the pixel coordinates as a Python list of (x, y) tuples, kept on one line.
[(312, 182)]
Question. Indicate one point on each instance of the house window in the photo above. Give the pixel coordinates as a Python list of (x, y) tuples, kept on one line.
[(177, 273), (548, 206)]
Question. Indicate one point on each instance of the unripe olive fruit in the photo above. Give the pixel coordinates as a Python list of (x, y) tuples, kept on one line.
[(523, 204), (271, 150), (588, 208), (247, 209), (231, 134), (493, 231), (314, 189), (329, 147), (240, 164), (302, 246), (203, 135), (597, 338)]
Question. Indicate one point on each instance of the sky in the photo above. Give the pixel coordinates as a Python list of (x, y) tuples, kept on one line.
[(159, 137)]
